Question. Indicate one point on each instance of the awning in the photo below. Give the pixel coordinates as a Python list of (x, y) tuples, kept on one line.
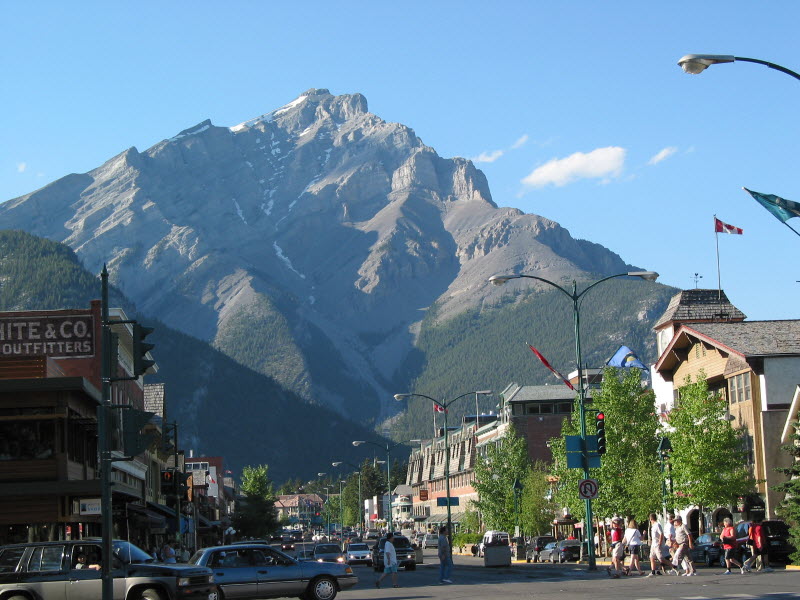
[(154, 519), (160, 508)]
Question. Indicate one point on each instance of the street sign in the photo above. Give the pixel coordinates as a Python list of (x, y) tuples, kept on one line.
[(443, 501), (574, 447), (587, 489)]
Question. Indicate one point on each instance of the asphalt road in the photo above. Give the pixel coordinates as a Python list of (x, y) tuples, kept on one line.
[(569, 582)]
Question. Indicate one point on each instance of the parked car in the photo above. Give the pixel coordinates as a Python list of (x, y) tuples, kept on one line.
[(536, 545), (708, 550), (777, 534), (372, 534), (328, 553), (50, 570), (430, 541), (565, 551), (358, 553), (406, 556), (546, 552), (257, 571)]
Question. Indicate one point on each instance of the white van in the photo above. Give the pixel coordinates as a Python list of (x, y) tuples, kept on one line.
[(494, 538)]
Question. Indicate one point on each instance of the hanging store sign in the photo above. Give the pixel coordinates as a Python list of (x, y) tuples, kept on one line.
[(54, 336)]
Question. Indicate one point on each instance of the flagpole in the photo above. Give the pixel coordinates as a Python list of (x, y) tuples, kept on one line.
[(719, 276), (792, 228)]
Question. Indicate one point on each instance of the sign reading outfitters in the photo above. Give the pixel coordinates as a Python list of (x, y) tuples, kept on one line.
[(54, 336)]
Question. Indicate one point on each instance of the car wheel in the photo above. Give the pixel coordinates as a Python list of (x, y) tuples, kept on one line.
[(149, 594), (323, 588), (707, 559)]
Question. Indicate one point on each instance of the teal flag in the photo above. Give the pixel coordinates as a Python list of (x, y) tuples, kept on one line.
[(782, 209)]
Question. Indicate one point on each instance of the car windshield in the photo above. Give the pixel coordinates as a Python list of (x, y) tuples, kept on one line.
[(327, 549), (128, 553), (358, 547), (550, 546)]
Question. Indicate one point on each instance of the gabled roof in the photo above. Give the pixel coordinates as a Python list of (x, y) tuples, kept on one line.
[(530, 393), (741, 340), (699, 305)]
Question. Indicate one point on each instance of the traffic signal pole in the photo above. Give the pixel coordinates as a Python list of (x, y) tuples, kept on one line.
[(108, 365)]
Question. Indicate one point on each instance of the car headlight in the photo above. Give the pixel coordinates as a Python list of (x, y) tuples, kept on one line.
[(183, 581), (340, 559)]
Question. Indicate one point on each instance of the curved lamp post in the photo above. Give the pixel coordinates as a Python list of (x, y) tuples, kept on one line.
[(360, 502), (576, 297), (388, 447), (697, 63), (444, 404)]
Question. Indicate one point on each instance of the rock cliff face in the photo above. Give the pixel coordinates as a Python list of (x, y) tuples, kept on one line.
[(305, 243)]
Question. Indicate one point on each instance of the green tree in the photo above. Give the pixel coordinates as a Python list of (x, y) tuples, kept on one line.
[(789, 508), (629, 476), (709, 466), (495, 474), (538, 509), (256, 516)]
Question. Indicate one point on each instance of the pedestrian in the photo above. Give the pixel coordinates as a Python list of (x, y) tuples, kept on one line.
[(168, 553), (684, 544), (389, 561), (758, 544), (617, 548), (730, 545), (656, 548), (633, 540), (445, 556)]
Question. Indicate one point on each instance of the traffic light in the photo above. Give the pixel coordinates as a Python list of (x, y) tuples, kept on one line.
[(167, 478), (600, 424), (140, 349), (184, 487)]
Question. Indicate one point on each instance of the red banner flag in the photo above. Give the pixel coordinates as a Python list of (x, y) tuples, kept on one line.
[(437, 408), (547, 364), (720, 227)]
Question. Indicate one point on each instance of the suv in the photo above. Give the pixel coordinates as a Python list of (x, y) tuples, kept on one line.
[(70, 569), (406, 555), (536, 545)]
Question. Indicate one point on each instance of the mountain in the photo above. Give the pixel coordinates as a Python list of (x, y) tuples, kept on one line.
[(315, 244), (268, 425)]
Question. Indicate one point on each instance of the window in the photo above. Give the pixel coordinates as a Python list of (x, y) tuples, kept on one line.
[(9, 559), (46, 558), (739, 388)]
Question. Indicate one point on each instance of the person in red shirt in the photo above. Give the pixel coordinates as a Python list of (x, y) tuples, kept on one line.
[(617, 548), (758, 542), (730, 545)]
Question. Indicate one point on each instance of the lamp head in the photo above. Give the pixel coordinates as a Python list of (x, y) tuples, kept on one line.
[(501, 279), (321, 474), (646, 275), (358, 442), (485, 392), (697, 63), (336, 464), (400, 397)]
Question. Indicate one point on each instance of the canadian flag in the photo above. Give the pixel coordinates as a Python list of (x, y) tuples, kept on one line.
[(437, 408), (720, 227)]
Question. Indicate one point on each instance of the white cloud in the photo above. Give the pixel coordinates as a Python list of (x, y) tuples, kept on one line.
[(520, 142), (662, 155), (21, 167), (488, 157), (602, 163)]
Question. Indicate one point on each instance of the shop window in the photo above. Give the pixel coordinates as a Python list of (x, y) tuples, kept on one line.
[(27, 440)]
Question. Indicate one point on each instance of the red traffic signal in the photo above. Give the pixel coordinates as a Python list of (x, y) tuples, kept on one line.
[(600, 429), (601, 417)]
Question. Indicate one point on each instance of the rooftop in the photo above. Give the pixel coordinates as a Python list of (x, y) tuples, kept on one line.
[(700, 305)]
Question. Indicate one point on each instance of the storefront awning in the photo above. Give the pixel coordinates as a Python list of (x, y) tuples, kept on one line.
[(154, 519)]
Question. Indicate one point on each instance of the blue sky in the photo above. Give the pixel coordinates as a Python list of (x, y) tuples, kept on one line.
[(576, 111)]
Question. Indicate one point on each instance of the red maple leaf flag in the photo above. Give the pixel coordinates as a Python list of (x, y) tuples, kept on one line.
[(437, 408), (720, 227), (547, 364)]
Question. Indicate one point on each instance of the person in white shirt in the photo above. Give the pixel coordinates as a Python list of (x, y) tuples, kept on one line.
[(633, 539), (656, 544), (389, 561)]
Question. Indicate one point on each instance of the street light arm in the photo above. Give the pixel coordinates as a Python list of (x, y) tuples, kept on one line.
[(770, 65), (697, 63), (501, 279)]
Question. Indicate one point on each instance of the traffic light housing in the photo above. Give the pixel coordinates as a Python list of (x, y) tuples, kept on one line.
[(600, 425), (167, 478), (140, 349)]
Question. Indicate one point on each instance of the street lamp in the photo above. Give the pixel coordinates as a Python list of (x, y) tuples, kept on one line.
[(341, 513), (388, 447), (360, 502), (444, 404), (576, 297), (327, 511), (664, 448), (697, 63)]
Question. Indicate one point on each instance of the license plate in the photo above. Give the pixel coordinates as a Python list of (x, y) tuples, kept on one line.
[(774, 543)]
